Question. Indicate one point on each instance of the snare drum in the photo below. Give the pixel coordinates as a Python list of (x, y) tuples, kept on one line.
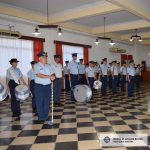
[(22, 92), (82, 93), (97, 84), (3, 92)]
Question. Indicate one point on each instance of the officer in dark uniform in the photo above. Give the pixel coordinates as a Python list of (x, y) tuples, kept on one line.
[(44, 75), (58, 70), (81, 69), (104, 72), (73, 73), (66, 74), (131, 78), (31, 83), (13, 78)]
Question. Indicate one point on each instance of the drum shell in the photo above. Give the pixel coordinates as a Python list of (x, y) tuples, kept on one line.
[(3, 92), (82, 93), (22, 94)]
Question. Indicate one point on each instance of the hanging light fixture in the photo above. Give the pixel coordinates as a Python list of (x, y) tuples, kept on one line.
[(135, 37), (112, 42), (104, 36), (96, 41), (59, 31), (36, 32)]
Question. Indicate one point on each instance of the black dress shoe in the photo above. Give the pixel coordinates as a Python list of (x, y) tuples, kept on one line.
[(16, 114)]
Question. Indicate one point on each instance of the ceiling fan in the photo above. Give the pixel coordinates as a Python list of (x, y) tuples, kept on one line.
[(48, 25)]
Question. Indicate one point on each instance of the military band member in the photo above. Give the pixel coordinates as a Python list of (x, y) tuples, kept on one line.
[(44, 75), (66, 74), (103, 72), (137, 76), (131, 78), (123, 72), (119, 75), (58, 70), (97, 69), (13, 78), (114, 73), (31, 83), (81, 69), (73, 73), (110, 76), (90, 75)]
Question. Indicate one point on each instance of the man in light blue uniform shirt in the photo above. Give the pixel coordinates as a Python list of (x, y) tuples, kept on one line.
[(104, 71), (131, 78), (73, 73), (90, 75), (44, 75), (81, 68), (31, 83), (119, 75), (13, 78), (114, 73), (58, 70), (66, 74), (137, 76)]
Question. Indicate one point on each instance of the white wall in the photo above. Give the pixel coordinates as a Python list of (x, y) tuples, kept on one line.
[(96, 53)]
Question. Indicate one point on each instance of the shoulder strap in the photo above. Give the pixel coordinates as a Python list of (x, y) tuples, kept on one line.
[(14, 76)]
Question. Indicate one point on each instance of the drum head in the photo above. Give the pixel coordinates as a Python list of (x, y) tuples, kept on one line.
[(22, 92), (3, 93), (97, 84), (82, 93)]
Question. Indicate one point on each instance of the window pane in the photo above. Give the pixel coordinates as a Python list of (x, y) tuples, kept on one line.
[(15, 48), (68, 50)]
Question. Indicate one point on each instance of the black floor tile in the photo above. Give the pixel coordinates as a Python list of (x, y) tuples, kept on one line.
[(19, 147), (87, 136), (67, 131), (66, 146), (5, 141), (46, 139), (28, 133), (104, 129)]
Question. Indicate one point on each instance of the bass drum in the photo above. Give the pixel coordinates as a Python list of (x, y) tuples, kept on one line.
[(22, 92), (3, 92), (82, 93)]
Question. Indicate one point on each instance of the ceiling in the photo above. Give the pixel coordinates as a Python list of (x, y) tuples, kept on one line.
[(86, 16), (111, 18), (55, 6)]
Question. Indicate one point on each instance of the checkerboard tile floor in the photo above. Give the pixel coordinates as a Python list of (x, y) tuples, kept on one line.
[(77, 126)]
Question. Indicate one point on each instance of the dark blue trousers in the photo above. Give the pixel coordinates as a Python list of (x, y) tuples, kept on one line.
[(15, 104), (32, 85), (57, 90), (131, 86), (91, 82), (104, 84), (114, 84), (67, 82), (110, 81), (82, 79), (123, 82), (74, 82), (137, 81), (118, 81), (42, 98)]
